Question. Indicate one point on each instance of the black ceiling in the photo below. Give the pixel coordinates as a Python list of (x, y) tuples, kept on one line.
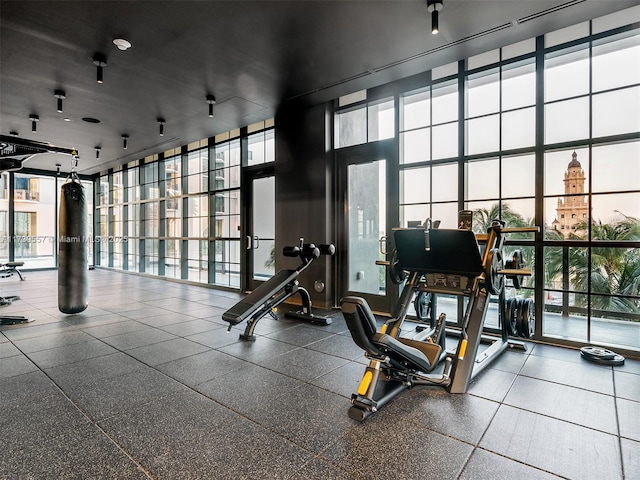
[(251, 55)]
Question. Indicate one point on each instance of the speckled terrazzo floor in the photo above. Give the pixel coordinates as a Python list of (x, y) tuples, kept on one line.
[(147, 383)]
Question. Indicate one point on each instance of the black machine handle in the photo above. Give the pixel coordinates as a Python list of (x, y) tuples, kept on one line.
[(291, 251), (327, 249), (309, 251)]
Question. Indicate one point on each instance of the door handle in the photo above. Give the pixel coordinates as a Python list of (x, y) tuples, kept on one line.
[(383, 244), (256, 244), (248, 242)]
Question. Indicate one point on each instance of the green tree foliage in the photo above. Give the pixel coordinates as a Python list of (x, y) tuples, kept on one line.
[(614, 272)]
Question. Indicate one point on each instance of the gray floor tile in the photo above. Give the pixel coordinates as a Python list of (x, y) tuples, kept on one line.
[(630, 458), (629, 418), (549, 351), (191, 327), (35, 344), (33, 406), (318, 469), (189, 436), (74, 375), (589, 409), (259, 351), (107, 319), (304, 364), (463, 417), (168, 351), (202, 367), (8, 349), (343, 380), (138, 338), (553, 445), (146, 311), (338, 346), (267, 325), (576, 374), (113, 329), (105, 398), (70, 353), (167, 318), (16, 365), (489, 466), (418, 453), (36, 329), (627, 385), (511, 360), (300, 335), (249, 389), (216, 338), (70, 454), (308, 416), (492, 384), (630, 366)]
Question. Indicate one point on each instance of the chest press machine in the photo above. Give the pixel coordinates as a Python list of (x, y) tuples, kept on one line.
[(276, 290), (436, 261)]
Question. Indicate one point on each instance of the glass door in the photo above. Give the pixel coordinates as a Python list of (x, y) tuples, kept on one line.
[(261, 228), (370, 211)]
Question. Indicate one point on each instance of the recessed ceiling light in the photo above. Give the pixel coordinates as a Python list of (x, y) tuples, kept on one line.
[(121, 43), (66, 119)]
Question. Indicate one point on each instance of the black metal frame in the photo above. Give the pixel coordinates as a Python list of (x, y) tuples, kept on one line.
[(386, 377)]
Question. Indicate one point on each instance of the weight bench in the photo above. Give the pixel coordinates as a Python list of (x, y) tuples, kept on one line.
[(10, 268), (276, 290)]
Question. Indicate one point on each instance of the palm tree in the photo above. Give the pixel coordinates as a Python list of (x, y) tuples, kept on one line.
[(483, 217), (614, 272)]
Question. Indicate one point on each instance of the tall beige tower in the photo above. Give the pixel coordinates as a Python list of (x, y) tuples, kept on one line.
[(573, 208)]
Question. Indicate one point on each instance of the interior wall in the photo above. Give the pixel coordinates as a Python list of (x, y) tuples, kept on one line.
[(304, 169)]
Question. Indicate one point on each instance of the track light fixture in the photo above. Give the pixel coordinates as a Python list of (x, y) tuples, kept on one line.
[(60, 95), (211, 100), (100, 61), (161, 121), (13, 133), (98, 148), (34, 119), (125, 137), (433, 7)]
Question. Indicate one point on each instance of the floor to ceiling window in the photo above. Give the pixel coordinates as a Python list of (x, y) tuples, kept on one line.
[(28, 228), (178, 214), (551, 137), (592, 189)]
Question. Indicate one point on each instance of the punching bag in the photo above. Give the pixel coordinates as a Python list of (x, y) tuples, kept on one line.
[(73, 265)]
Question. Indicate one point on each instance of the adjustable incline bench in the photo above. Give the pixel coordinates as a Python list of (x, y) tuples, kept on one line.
[(10, 268), (276, 290)]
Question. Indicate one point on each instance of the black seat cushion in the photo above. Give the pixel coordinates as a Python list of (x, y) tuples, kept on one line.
[(363, 328)]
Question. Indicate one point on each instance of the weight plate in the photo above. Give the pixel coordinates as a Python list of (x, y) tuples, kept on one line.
[(511, 320), (615, 361), (396, 273), (493, 280), (516, 261), (526, 323), (422, 305), (598, 352)]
